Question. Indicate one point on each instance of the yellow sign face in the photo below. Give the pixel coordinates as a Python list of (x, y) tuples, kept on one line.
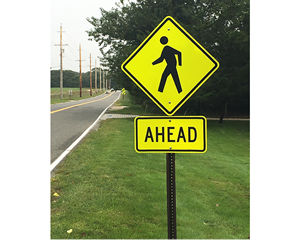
[(170, 134), (169, 65)]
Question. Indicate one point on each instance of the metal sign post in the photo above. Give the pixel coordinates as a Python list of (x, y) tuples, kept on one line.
[(171, 196), (170, 135), (189, 65)]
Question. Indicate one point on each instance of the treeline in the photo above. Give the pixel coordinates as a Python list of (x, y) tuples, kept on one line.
[(222, 27), (71, 79)]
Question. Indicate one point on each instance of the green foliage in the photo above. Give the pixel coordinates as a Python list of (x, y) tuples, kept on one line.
[(71, 79), (222, 27)]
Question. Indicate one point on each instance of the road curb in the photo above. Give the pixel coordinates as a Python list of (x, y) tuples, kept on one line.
[(68, 150)]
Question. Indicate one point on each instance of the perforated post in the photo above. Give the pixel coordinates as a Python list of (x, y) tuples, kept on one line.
[(171, 195)]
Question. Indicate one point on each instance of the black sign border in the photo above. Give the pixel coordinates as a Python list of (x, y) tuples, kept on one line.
[(189, 94)]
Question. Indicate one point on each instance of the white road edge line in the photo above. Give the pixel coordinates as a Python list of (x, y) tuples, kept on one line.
[(68, 150)]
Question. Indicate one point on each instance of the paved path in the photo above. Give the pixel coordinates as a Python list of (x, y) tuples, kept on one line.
[(69, 120), (112, 115)]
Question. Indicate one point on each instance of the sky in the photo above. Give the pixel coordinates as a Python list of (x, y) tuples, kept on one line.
[(72, 15)]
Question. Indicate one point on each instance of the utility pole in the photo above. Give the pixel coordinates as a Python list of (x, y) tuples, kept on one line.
[(61, 66), (61, 61), (91, 89), (105, 74), (106, 80), (96, 75), (103, 79), (80, 76), (100, 77)]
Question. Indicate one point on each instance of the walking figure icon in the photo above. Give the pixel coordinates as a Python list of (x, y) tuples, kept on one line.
[(171, 54), (168, 54)]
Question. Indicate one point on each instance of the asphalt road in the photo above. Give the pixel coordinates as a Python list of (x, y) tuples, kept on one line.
[(69, 120)]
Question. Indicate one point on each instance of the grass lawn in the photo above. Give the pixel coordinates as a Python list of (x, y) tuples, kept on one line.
[(134, 108), (55, 94), (107, 190)]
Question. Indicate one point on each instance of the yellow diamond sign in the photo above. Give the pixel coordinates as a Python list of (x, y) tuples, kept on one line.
[(170, 65)]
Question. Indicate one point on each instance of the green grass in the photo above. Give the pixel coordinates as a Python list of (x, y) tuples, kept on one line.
[(107, 190), (55, 94), (134, 108)]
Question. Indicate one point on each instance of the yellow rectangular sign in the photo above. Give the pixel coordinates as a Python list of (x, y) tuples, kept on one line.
[(186, 134)]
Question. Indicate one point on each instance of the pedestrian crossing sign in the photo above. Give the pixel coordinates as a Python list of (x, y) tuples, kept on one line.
[(169, 65)]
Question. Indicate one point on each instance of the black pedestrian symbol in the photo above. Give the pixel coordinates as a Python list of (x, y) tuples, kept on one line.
[(168, 54)]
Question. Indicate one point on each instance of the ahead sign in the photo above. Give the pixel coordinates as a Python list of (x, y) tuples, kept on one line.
[(169, 65), (170, 134)]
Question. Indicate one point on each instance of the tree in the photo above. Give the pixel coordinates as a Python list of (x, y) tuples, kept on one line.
[(222, 27), (70, 78)]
